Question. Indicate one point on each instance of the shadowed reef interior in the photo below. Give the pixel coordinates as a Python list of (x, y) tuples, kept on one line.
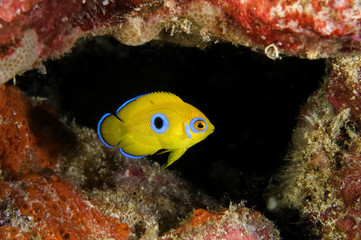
[(252, 101)]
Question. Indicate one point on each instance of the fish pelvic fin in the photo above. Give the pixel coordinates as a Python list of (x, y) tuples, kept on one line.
[(110, 130), (175, 155)]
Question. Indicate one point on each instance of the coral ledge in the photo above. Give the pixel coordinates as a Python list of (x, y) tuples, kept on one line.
[(34, 30)]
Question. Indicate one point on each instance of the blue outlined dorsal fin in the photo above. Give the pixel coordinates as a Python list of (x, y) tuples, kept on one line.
[(141, 102)]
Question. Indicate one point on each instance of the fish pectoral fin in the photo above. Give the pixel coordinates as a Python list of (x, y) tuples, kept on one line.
[(175, 155)]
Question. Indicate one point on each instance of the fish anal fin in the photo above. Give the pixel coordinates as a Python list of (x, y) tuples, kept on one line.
[(175, 155), (134, 148)]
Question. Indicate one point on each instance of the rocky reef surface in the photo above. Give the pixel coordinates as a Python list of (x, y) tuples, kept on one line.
[(322, 178)]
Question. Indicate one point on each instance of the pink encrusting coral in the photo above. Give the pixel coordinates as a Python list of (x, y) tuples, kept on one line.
[(241, 224), (322, 180), (34, 30)]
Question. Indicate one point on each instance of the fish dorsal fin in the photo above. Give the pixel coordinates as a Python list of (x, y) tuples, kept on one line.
[(145, 101)]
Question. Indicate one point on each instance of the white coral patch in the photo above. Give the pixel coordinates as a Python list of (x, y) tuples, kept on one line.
[(22, 59), (203, 14), (136, 31)]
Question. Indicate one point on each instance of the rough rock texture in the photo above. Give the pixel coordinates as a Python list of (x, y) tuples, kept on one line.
[(344, 84), (34, 30), (49, 208), (34, 200), (322, 180), (241, 224), (57, 181), (24, 137)]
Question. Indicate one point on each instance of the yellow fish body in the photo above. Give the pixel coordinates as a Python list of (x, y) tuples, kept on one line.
[(156, 121)]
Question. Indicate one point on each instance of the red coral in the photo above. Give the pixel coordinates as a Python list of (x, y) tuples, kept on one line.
[(60, 212), (9, 9), (31, 141), (29, 135)]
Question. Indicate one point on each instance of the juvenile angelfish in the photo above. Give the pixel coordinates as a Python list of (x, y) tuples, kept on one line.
[(152, 122)]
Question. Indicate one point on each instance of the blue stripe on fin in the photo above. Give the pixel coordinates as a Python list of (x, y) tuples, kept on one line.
[(130, 156), (98, 130), (130, 100)]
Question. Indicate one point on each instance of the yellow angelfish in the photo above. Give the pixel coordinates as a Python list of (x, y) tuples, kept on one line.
[(151, 122)]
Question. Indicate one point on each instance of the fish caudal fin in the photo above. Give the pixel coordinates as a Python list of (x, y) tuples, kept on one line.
[(175, 155), (109, 130)]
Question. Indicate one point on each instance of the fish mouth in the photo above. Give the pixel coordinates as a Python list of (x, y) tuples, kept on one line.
[(211, 128)]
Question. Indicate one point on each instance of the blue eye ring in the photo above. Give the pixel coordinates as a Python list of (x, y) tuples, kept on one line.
[(159, 123), (198, 125)]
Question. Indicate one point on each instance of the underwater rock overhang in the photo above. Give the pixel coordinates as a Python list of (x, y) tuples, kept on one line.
[(34, 30)]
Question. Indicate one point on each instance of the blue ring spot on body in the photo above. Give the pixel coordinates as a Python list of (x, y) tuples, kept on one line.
[(159, 123), (99, 131), (130, 156), (195, 120), (186, 127)]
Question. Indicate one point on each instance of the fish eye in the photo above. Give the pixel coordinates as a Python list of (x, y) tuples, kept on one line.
[(159, 123), (198, 125)]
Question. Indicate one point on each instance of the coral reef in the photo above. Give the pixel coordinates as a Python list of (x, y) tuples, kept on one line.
[(58, 182), (303, 28), (62, 183), (322, 180)]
